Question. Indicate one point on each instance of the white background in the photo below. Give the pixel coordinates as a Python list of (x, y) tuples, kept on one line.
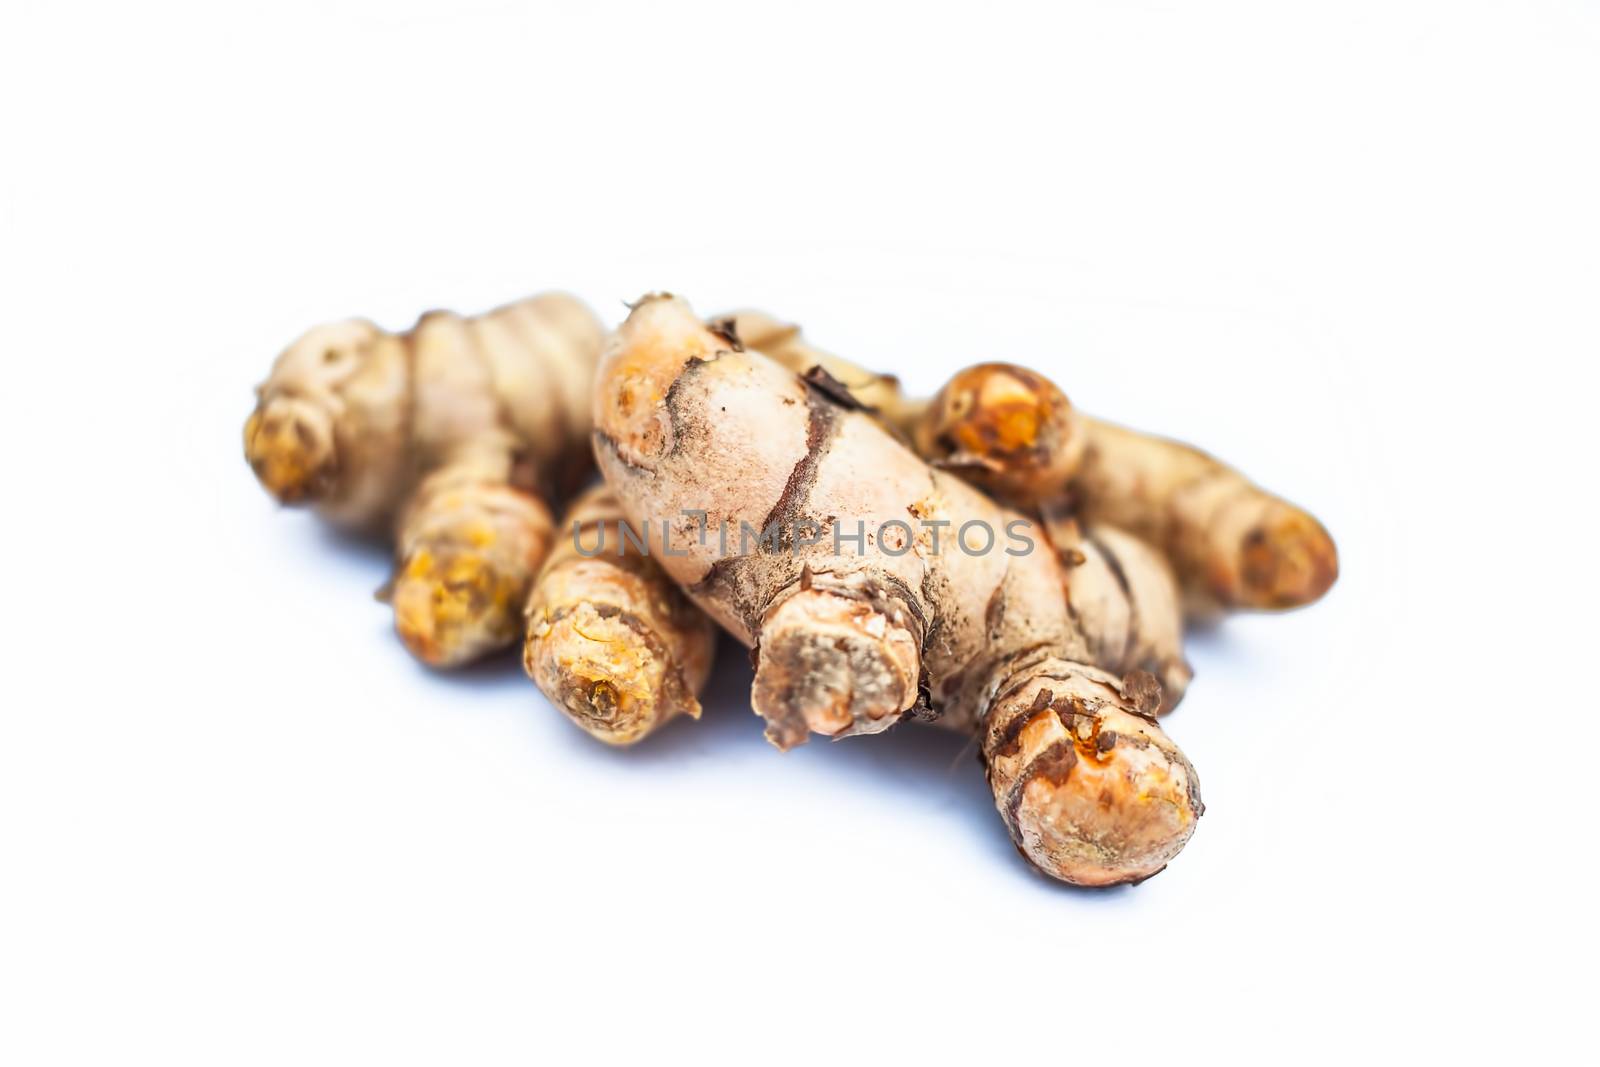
[(1353, 247)]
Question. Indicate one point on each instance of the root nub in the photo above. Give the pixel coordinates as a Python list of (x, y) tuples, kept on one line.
[(1287, 560), (289, 443), (1092, 791), (610, 639), (453, 606), (466, 557), (611, 673), (1005, 428), (832, 665)]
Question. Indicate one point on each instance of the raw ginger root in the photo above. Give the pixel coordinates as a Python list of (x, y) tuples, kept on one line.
[(450, 437), (1233, 544), (610, 639), (697, 432), (1121, 593)]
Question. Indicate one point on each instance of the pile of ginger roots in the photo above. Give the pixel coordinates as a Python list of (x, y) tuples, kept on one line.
[(990, 560)]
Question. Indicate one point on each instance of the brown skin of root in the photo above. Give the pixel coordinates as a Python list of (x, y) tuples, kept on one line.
[(831, 665), (784, 343), (1126, 602), (444, 437), (1091, 790), (610, 640)]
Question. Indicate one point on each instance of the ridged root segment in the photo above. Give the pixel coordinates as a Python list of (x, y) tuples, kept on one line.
[(1126, 602), (289, 443), (833, 665), (610, 640), (1091, 790), (465, 559), (1234, 545), (1246, 547), (1005, 428)]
